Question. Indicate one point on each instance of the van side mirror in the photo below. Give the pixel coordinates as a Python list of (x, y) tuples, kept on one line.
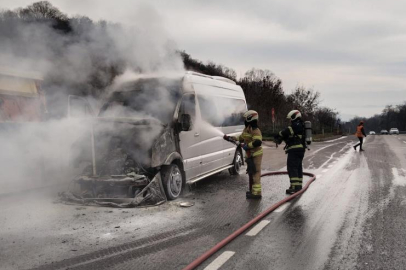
[(185, 121)]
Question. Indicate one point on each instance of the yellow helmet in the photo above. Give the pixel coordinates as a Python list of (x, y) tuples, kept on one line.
[(250, 116)]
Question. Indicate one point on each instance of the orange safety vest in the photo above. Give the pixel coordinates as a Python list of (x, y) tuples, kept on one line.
[(359, 132)]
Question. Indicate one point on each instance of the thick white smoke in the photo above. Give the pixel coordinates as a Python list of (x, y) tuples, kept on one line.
[(84, 62)]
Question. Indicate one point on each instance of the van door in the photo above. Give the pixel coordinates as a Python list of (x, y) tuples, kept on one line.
[(232, 111), (211, 136), (189, 139)]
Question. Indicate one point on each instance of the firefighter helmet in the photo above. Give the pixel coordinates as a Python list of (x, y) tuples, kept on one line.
[(250, 116), (293, 115)]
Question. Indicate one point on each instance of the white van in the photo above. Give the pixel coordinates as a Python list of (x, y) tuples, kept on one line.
[(177, 127)]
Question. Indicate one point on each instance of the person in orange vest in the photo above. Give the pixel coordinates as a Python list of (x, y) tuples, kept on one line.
[(360, 134)]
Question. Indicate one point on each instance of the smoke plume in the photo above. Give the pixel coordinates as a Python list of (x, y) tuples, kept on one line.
[(80, 57)]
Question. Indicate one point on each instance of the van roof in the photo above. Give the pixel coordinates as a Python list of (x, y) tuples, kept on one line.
[(219, 78), (195, 82), (197, 79)]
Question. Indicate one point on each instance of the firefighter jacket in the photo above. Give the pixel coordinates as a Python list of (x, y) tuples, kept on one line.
[(294, 137), (253, 139), (360, 132)]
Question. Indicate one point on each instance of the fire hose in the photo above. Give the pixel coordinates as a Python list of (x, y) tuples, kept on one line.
[(234, 235)]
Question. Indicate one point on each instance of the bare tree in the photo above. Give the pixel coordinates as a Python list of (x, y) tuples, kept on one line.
[(305, 100), (42, 10)]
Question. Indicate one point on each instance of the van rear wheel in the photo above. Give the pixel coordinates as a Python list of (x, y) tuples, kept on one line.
[(172, 180), (237, 164)]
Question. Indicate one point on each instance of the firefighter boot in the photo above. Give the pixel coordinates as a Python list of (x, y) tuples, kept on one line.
[(249, 195), (293, 189)]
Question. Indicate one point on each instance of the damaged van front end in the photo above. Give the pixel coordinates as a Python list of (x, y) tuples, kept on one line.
[(127, 156), (128, 146)]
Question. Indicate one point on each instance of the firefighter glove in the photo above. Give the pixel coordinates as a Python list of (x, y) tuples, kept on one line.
[(278, 139)]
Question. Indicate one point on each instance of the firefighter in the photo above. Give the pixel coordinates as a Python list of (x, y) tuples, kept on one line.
[(295, 148), (251, 138), (360, 134)]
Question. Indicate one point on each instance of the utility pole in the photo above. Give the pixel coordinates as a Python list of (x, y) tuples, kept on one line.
[(273, 120)]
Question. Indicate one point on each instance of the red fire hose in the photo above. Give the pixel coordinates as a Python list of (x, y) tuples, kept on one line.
[(232, 236)]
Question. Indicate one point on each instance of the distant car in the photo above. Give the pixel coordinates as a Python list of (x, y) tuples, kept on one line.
[(394, 131), (372, 133), (384, 131)]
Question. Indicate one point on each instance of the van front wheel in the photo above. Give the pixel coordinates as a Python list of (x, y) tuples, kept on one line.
[(237, 164), (172, 181)]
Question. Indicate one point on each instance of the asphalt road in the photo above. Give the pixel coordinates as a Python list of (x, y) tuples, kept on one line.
[(352, 217)]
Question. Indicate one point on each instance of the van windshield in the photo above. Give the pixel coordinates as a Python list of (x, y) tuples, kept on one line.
[(144, 98)]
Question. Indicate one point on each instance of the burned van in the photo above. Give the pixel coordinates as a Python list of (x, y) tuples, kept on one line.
[(153, 136)]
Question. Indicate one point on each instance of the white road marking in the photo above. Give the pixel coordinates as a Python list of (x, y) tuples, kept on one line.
[(328, 160), (281, 208), (254, 231), (325, 170), (329, 166), (220, 260)]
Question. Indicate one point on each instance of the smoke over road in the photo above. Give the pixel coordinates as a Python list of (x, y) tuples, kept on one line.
[(80, 57)]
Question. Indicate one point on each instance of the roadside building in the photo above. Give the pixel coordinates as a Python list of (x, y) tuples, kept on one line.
[(21, 97)]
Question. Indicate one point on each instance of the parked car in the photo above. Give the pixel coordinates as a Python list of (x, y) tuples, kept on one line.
[(384, 131), (372, 133), (166, 126), (394, 131)]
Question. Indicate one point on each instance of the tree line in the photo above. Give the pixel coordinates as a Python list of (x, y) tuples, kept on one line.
[(392, 116), (264, 92), (72, 42)]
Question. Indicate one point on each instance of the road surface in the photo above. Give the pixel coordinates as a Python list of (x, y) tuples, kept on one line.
[(352, 217)]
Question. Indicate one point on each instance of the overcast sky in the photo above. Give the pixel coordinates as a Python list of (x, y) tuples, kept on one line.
[(352, 52)]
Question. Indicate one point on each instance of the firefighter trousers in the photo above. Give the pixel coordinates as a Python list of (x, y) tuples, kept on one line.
[(295, 168), (255, 177)]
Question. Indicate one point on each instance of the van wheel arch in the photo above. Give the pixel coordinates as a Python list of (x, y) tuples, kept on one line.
[(173, 179), (238, 161)]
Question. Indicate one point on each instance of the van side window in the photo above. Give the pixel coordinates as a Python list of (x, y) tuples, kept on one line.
[(232, 111), (222, 111), (208, 109), (188, 106)]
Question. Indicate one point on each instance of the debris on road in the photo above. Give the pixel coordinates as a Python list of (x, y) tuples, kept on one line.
[(186, 204), (106, 191)]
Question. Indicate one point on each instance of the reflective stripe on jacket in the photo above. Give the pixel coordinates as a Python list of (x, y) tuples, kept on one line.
[(293, 142), (248, 136)]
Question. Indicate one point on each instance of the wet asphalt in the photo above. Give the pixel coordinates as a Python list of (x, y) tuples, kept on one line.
[(352, 217)]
